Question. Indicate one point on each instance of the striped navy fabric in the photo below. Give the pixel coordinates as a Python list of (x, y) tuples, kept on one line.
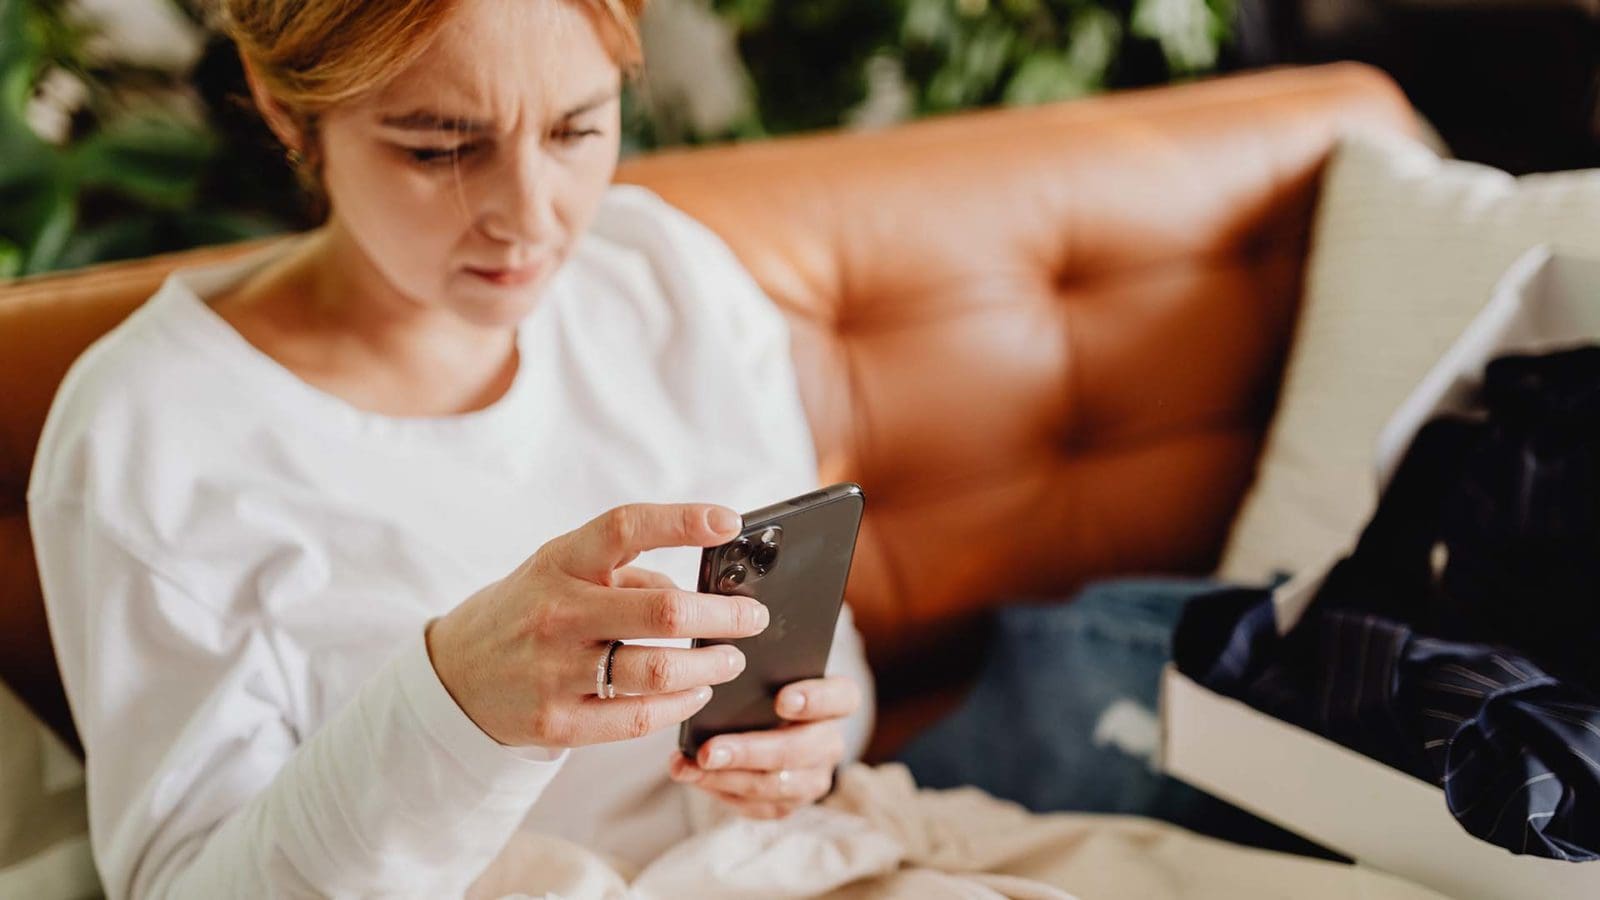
[(1485, 539), (1516, 752)]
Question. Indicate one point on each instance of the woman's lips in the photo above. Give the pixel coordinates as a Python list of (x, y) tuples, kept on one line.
[(508, 277)]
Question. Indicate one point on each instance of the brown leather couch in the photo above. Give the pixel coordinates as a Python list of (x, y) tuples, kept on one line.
[(1046, 342)]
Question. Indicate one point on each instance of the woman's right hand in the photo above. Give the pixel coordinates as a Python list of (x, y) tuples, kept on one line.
[(519, 656)]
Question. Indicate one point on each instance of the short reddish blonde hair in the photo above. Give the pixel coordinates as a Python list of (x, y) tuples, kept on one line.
[(314, 54), (311, 55)]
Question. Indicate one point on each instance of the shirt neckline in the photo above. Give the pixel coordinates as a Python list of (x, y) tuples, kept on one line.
[(186, 292)]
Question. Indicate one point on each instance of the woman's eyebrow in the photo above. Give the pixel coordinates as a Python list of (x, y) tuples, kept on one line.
[(598, 99), (428, 120)]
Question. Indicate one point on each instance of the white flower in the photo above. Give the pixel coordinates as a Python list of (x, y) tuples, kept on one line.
[(143, 32), (1186, 30), (58, 95)]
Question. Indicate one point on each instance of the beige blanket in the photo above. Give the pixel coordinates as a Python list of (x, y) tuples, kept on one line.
[(881, 836)]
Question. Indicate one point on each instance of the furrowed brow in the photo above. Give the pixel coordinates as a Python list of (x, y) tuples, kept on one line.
[(598, 100), (428, 120)]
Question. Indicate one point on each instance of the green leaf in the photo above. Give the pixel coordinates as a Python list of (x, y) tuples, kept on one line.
[(984, 57), (152, 160), (1044, 78), (137, 235), (10, 259), (21, 52), (1095, 36), (24, 161), (745, 15), (16, 87), (947, 89), (930, 22), (53, 217), (18, 41), (1023, 9)]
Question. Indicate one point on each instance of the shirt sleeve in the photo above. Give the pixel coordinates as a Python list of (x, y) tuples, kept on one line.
[(848, 657), (199, 784)]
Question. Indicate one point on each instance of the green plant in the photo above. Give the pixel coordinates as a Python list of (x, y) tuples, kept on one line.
[(120, 172), (148, 160), (809, 59)]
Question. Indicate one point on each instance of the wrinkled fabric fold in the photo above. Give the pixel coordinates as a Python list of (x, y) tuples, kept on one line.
[(880, 836)]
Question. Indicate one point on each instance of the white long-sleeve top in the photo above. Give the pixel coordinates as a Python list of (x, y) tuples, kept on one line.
[(238, 567)]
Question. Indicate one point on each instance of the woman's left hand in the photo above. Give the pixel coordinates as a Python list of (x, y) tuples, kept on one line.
[(770, 774)]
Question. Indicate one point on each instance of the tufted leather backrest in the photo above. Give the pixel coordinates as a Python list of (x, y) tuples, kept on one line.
[(1045, 341)]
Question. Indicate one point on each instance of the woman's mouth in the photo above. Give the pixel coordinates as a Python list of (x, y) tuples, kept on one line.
[(508, 277)]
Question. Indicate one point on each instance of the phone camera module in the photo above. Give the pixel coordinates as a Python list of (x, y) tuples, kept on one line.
[(732, 577), (764, 555), (738, 550)]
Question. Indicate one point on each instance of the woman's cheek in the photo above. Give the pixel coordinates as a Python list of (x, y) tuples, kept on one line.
[(409, 215)]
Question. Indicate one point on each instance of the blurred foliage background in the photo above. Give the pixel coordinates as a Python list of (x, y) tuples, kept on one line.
[(104, 158)]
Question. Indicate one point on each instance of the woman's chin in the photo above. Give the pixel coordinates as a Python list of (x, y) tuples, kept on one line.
[(495, 306)]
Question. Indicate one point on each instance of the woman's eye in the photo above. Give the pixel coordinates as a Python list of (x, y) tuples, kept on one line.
[(574, 135), (431, 157)]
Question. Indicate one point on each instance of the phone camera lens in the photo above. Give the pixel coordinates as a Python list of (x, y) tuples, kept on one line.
[(764, 557), (732, 577), (738, 550)]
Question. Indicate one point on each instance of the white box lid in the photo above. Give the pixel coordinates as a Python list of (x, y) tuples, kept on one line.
[(1380, 817)]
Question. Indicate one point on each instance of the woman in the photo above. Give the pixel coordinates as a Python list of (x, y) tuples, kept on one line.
[(312, 526)]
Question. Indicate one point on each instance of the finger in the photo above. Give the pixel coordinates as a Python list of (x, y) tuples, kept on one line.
[(597, 721), (612, 539), (782, 786), (638, 669), (811, 745), (834, 697), (665, 612), (640, 577)]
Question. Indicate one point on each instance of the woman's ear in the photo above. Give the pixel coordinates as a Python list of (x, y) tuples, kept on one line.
[(273, 112)]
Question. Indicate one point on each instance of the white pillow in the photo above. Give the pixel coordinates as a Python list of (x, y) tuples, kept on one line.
[(44, 831), (1406, 250)]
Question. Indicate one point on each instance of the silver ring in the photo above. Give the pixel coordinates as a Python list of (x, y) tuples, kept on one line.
[(603, 687)]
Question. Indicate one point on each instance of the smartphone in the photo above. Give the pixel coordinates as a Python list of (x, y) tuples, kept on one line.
[(794, 557)]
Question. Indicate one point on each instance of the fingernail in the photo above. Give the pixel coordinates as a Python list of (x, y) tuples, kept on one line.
[(702, 694), (719, 758), (735, 660), (762, 616), (722, 519), (794, 702)]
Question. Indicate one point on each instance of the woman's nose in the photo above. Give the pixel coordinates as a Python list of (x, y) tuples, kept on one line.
[(519, 201)]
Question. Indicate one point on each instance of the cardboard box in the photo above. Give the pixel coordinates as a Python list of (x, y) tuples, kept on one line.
[(1379, 816)]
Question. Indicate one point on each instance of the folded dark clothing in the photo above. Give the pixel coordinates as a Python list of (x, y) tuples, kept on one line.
[(1489, 529), (1485, 539), (1516, 751)]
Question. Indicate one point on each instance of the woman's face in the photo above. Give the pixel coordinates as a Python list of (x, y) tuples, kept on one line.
[(466, 182)]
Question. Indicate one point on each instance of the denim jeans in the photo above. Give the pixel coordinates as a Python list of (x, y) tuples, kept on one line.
[(1063, 716)]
